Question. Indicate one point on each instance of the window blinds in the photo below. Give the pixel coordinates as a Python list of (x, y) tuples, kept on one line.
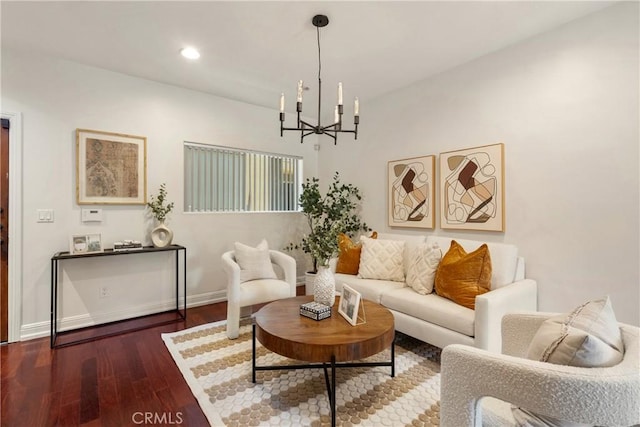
[(223, 179)]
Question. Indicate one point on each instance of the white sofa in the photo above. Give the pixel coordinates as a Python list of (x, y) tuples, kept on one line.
[(440, 321)]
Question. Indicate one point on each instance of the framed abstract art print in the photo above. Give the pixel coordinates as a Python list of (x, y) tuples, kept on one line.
[(411, 192), (472, 189)]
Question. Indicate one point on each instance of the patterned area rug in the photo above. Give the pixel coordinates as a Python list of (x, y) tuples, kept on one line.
[(218, 370)]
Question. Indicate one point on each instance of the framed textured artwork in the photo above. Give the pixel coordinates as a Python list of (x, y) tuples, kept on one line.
[(472, 188), (111, 168), (411, 192)]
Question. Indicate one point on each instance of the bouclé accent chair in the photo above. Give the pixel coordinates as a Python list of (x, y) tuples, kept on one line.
[(245, 294), (473, 380)]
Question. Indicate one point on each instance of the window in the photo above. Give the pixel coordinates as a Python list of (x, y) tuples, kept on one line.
[(223, 179)]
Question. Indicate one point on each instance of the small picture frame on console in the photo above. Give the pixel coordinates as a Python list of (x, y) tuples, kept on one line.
[(82, 244), (349, 304)]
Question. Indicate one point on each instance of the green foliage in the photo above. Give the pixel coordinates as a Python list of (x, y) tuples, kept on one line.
[(157, 205), (327, 216)]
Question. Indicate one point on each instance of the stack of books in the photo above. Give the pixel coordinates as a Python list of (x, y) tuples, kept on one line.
[(315, 310), (127, 245)]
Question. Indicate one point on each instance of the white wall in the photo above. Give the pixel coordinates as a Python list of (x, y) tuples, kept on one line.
[(565, 104), (55, 97)]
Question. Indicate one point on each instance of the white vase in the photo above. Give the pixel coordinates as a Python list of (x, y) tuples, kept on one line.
[(161, 236), (324, 287)]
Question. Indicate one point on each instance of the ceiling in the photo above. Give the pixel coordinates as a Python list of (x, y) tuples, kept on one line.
[(253, 51)]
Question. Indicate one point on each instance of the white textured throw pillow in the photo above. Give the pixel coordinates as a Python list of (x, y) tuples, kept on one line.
[(422, 267), (381, 259), (587, 337), (255, 263)]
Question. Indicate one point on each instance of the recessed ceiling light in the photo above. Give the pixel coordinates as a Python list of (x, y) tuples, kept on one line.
[(190, 53)]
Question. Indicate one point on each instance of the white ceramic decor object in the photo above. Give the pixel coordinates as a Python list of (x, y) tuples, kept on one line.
[(161, 236), (324, 289)]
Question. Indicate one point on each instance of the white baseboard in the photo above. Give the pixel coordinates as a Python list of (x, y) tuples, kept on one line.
[(206, 298), (43, 329)]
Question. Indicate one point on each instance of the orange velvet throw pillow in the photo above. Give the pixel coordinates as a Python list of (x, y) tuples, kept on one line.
[(349, 254), (461, 275)]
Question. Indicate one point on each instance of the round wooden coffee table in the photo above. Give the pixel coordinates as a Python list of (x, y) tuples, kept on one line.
[(329, 343)]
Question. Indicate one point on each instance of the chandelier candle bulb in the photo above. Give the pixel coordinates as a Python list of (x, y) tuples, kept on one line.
[(340, 93), (299, 90), (282, 103), (356, 107)]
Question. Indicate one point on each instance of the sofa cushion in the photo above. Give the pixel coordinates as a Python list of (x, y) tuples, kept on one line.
[(411, 242), (431, 308), (504, 258), (462, 276), (260, 290), (381, 259), (349, 254), (255, 263), (371, 289), (422, 270)]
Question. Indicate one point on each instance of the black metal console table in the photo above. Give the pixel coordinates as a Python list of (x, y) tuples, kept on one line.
[(181, 313)]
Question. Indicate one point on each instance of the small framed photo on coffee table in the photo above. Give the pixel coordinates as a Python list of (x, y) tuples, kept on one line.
[(349, 304)]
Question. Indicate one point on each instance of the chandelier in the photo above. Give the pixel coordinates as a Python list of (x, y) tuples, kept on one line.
[(333, 129)]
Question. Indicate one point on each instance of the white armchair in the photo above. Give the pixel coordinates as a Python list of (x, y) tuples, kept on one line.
[(245, 294), (595, 396)]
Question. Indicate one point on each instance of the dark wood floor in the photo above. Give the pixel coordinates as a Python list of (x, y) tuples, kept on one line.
[(114, 381)]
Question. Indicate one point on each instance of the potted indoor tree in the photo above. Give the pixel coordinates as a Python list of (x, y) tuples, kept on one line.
[(327, 216)]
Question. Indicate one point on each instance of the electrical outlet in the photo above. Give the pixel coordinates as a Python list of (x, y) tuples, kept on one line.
[(104, 292)]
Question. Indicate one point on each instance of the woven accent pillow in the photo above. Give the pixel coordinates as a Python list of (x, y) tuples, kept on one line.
[(381, 259), (461, 276), (255, 263), (422, 267), (588, 337), (349, 254)]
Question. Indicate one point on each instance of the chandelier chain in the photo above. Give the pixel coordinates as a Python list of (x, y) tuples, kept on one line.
[(319, 56)]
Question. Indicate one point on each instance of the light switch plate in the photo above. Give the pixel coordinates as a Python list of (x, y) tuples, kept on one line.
[(45, 215)]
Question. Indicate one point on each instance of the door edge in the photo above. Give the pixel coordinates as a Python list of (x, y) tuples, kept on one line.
[(15, 227)]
